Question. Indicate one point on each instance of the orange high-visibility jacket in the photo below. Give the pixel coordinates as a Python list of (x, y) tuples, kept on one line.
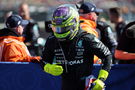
[(13, 49), (89, 26)]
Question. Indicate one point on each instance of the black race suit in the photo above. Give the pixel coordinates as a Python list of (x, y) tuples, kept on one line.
[(106, 35), (76, 57)]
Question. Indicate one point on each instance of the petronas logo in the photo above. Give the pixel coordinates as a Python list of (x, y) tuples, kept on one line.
[(80, 43)]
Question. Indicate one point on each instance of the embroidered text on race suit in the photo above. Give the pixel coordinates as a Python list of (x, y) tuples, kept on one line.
[(70, 62), (76, 59)]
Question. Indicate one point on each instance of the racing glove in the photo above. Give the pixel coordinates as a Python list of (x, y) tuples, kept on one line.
[(53, 69), (98, 83)]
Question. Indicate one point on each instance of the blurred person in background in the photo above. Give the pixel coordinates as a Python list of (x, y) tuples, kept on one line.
[(12, 47), (106, 35), (88, 15), (31, 31), (125, 51), (7, 14), (69, 52), (115, 15)]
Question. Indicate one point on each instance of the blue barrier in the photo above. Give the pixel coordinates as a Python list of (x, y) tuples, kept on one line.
[(121, 77), (30, 76), (26, 76)]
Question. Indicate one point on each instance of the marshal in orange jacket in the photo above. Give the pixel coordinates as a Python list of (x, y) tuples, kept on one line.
[(88, 26), (13, 49)]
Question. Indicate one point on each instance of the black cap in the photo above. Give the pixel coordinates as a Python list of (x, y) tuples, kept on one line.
[(15, 20), (88, 7)]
